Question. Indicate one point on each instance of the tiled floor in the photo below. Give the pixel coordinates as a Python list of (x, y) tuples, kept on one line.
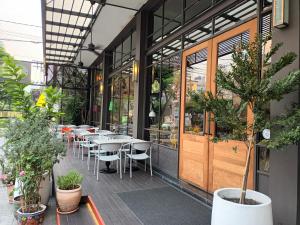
[(6, 209)]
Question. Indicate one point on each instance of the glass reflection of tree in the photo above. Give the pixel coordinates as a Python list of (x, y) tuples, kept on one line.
[(170, 81), (193, 107)]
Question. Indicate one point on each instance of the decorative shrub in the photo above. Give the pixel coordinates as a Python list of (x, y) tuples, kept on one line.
[(70, 181)]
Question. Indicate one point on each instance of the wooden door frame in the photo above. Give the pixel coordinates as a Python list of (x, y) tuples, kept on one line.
[(250, 26), (212, 59), (206, 44)]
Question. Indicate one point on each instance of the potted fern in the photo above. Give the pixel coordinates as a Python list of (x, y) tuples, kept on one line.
[(255, 89), (68, 192)]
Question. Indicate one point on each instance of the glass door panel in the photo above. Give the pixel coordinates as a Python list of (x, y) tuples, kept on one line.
[(195, 76)]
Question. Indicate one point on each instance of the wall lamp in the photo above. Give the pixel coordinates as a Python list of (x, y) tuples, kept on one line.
[(135, 71), (101, 87), (280, 13)]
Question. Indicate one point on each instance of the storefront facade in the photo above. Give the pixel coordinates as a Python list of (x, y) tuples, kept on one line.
[(170, 49)]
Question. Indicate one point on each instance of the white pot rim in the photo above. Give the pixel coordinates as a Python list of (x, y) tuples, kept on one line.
[(263, 199), (43, 208), (69, 191)]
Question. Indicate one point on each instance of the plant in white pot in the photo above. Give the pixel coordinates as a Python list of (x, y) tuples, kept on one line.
[(253, 89), (68, 192)]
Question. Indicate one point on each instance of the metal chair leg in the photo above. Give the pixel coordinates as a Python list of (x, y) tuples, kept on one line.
[(125, 162), (130, 167), (145, 165), (150, 166), (98, 162)]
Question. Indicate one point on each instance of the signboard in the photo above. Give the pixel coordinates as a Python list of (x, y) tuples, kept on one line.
[(280, 13)]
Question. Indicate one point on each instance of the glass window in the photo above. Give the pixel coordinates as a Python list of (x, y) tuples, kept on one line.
[(200, 33), (164, 101), (118, 56), (235, 15), (121, 104), (196, 72), (194, 7), (172, 15), (225, 49)]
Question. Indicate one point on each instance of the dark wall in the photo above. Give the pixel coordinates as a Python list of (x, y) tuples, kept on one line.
[(284, 171)]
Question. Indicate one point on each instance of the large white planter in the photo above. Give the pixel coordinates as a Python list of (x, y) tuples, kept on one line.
[(229, 213), (45, 188)]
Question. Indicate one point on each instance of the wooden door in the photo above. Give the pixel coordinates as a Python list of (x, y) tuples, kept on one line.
[(203, 163), (193, 158), (226, 165)]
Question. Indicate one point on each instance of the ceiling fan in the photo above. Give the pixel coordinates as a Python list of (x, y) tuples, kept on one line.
[(91, 46)]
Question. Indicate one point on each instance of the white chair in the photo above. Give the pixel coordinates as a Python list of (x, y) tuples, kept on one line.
[(95, 149), (111, 153), (76, 141), (86, 143), (143, 147)]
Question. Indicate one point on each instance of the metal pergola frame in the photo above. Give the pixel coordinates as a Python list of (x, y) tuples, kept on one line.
[(63, 51)]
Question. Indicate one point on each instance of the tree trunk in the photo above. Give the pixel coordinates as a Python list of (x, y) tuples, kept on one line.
[(246, 173)]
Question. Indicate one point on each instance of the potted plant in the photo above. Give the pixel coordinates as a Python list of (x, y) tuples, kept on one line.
[(68, 192), (254, 89), (34, 150)]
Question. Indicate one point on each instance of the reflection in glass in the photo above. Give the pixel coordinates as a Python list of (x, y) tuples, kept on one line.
[(164, 102), (225, 49), (121, 103), (196, 72)]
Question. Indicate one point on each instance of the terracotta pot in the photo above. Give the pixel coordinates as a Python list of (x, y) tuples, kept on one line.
[(35, 218), (68, 200)]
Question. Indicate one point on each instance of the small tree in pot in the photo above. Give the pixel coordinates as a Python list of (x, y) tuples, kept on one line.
[(255, 89), (68, 192), (34, 150)]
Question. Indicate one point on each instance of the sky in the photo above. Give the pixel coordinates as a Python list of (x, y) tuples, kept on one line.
[(27, 12)]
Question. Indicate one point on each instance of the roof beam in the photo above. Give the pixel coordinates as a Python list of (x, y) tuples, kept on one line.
[(61, 50), (58, 60), (55, 55), (65, 25), (63, 35), (62, 43), (63, 11)]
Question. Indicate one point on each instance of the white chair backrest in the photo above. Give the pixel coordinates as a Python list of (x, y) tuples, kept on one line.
[(111, 147), (142, 146)]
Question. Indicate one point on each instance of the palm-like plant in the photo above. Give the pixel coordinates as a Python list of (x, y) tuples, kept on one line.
[(255, 88)]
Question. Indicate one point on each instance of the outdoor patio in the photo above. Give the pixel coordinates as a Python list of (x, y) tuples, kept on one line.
[(140, 200)]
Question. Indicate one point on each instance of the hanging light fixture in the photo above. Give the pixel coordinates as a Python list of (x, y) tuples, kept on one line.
[(135, 70), (152, 114)]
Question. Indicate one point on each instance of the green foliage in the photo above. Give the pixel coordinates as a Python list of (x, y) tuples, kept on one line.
[(53, 99), (254, 90), (12, 88), (285, 129), (33, 150), (70, 181), (73, 106)]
